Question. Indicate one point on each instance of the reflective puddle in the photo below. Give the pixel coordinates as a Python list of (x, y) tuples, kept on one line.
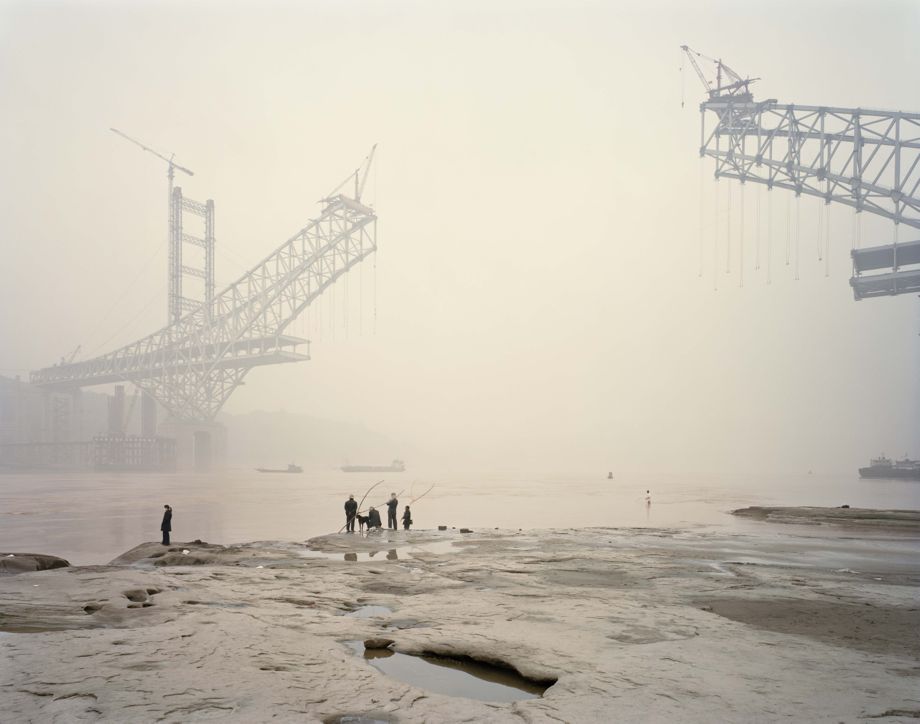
[(401, 549), (393, 554), (452, 677), (11, 629)]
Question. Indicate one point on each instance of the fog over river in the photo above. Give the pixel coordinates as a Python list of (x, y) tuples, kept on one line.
[(91, 518)]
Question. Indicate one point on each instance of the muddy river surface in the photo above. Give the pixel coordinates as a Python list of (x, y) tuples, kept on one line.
[(92, 517)]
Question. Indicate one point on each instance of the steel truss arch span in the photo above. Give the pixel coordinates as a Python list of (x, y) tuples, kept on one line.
[(866, 159), (193, 365)]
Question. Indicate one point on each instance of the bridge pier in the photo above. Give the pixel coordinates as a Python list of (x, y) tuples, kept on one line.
[(76, 411), (148, 416), (200, 446), (117, 411)]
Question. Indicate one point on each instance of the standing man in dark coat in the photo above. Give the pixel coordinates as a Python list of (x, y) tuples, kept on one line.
[(166, 525), (351, 510), (391, 511)]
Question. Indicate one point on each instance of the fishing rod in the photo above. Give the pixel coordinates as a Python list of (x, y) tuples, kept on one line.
[(421, 496), (385, 502), (362, 502)]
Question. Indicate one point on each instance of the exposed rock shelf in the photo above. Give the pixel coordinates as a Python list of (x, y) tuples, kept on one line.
[(891, 520), (652, 625), (13, 563)]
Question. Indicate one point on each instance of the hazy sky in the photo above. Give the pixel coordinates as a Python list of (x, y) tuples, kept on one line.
[(538, 188)]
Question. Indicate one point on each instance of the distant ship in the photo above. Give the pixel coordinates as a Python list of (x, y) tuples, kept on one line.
[(289, 469), (397, 466), (885, 468)]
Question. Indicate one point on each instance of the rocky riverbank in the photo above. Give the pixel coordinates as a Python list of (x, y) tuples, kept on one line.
[(631, 625), (890, 520)]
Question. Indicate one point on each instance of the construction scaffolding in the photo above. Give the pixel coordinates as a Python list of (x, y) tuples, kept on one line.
[(123, 453)]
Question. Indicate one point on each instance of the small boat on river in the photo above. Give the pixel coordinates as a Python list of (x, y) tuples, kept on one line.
[(397, 466), (292, 468)]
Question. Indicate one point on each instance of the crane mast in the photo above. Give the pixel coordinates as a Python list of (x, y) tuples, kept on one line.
[(175, 205)]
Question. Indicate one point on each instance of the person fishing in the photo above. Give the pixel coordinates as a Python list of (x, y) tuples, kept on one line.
[(407, 518), (391, 512), (351, 510), (373, 519)]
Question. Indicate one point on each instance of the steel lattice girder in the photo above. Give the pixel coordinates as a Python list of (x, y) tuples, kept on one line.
[(193, 365), (866, 159)]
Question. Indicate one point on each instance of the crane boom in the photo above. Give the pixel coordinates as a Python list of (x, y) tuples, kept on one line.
[(172, 164), (737, 86), (370, 159), (356, 175), (696, 66)]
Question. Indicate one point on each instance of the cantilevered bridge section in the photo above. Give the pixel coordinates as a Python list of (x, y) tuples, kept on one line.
[(867, 159), (192, 366)]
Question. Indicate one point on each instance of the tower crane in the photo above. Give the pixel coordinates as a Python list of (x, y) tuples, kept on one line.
[(359, 175), (175, 254), (173, 166), (735, 86), (70, 358)]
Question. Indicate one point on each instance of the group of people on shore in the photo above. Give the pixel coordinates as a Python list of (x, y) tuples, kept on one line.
[(372, 519)]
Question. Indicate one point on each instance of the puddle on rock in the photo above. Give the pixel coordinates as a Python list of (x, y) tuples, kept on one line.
[(11, 629), (369, 612), (393, 554), (218, 604), (452, 677)]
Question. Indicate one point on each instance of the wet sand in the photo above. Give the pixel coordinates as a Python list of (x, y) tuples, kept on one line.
[(632, 624)]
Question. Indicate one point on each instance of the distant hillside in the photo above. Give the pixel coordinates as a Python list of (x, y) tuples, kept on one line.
[(277, 438)]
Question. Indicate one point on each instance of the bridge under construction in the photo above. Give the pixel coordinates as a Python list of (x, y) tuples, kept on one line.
[(190, 367), (865, 159)]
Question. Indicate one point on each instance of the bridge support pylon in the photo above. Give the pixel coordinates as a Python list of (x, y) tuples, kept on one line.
[(200, 446)]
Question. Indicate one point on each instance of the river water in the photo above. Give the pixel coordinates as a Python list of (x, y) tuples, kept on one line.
[(90, 518)]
